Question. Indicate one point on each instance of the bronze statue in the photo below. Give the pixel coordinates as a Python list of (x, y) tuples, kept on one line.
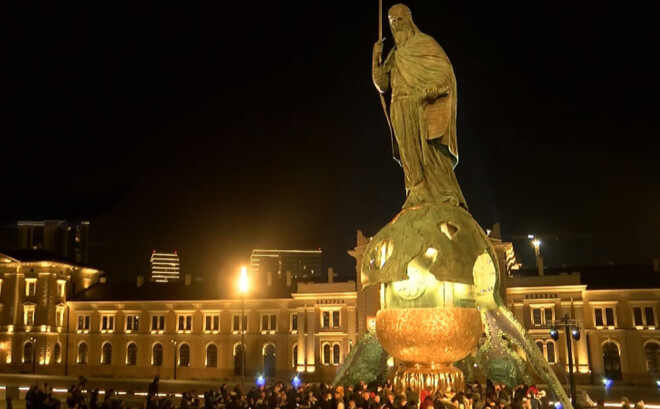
[(437, 269), (423, 110)]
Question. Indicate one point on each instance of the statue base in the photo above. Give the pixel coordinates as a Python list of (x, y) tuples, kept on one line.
[(440, 377)]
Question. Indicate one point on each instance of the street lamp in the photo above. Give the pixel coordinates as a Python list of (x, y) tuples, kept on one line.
[(243, 288), (571, 329), (174, 344)]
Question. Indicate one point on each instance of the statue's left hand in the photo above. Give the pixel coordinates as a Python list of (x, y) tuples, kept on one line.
[(435, 91)]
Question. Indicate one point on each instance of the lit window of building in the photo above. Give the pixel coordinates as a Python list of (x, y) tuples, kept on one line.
[(211, 356), (59, 315), (294, 356), (331, 353), (28, 353), (83, 322), (548, 348), (107, 322), (184, 323), (28, 314), (158, 322), (106, 354), (236, 323), (57, 353), (652, 356), (184, 355), (83, 353), (30, 287), (269, 323), (644, 316), (157, 354), (330, 319), (61, 288), (212, 322), (604, 317), (542, 315), (132, 323), (131, 354), (294, 323)]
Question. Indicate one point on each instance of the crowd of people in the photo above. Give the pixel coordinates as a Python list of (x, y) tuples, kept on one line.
[(307, 396)]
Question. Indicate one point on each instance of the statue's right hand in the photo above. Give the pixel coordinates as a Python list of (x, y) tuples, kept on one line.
[(378, 51)]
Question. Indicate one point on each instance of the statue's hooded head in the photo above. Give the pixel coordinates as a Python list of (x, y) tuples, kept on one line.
[(401, 23)]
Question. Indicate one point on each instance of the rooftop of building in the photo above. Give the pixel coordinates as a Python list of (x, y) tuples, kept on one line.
[(33, 256), (603, 277), (193, 290)]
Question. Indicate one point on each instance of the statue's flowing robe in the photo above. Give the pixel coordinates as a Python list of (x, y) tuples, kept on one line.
[(427, 158)]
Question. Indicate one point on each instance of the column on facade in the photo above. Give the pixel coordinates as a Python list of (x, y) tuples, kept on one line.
[(310, 332), (581, 348), (302, 330)]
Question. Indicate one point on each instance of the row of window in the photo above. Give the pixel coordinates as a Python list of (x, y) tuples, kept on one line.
[(330, 354), (29, 353), (611, 355), (30, 312), (643, 316), (31, 287), (184, 323)]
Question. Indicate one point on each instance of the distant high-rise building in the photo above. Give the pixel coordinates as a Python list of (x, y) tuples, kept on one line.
[(287, 267), (68, 239), (164, 267)]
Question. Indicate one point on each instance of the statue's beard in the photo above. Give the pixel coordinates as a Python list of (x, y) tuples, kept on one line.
[(402, 34)]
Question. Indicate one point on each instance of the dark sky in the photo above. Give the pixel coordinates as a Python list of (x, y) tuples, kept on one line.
[(216, 129)]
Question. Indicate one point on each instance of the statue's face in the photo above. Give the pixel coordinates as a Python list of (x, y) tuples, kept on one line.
[(400, 23)]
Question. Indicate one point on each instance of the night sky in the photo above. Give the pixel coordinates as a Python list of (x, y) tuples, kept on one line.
[(216, 129)]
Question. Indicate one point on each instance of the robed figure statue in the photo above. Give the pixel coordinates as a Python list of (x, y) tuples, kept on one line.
[(422, 110)]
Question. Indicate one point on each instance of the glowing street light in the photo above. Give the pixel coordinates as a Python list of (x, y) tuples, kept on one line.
[(537, 246), (243, 281)]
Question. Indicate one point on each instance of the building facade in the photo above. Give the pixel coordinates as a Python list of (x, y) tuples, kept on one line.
[(61, 318), (34, 291), (616, 308)]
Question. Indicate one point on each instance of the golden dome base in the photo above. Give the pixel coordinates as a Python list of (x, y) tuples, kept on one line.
[(437, 377)]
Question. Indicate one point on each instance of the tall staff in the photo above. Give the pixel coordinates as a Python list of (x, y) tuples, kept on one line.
[(380, 61)]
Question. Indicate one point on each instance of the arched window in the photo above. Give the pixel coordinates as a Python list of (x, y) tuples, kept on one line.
[(652, 355), (157, 355), (184, 355), (336, 354), (28, 353), (57, 353), (540, 345), (212, 356), (326, 354), (551, 352), (612, 361), (294, 353), (106, 354), (269, 360), (131, 354), (83, 353), (239, 359)]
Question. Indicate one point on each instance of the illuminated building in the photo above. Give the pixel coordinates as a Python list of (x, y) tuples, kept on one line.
[(67, 239), (34, 289), (288, 267), (164, 267), (122, 330)]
